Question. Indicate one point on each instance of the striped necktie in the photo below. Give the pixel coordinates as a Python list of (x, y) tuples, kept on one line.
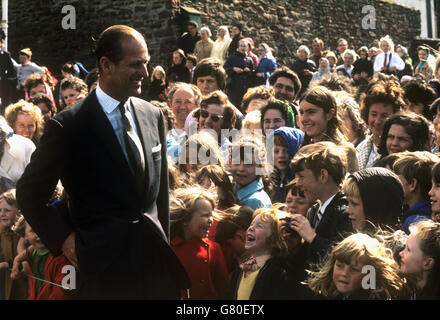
[(133, 147)]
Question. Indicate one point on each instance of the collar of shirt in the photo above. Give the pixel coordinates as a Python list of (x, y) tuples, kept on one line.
[(108, 103), (249, 189), (325, 204)]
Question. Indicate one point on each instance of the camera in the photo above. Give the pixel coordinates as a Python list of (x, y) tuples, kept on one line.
[(288, 227)]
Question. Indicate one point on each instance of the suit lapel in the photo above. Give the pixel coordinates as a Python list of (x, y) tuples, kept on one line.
[(105, 133)]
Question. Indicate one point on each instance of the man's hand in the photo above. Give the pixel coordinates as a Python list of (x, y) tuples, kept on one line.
[(238, 70), (247, 69), (68, 249), (300, 224)]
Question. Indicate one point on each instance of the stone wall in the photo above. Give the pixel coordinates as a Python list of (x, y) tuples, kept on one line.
[(283, 24), (37, 24)]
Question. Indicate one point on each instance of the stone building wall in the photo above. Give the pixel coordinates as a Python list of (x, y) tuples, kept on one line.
[(286, 24), (37, 24), (283, 24)]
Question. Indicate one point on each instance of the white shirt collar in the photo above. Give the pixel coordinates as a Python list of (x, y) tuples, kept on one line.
[(326, 203), (108, 103)]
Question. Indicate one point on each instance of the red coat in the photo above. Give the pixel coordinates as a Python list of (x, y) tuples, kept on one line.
[(204, 262), (52, 273)]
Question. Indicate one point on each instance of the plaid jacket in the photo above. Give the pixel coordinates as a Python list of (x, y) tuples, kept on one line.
[(363, 151)]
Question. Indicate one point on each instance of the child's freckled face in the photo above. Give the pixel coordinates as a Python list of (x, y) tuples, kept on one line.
[(347, 277), (257, 235)]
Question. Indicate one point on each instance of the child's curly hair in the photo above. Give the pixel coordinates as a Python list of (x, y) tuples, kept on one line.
[(275, 240)]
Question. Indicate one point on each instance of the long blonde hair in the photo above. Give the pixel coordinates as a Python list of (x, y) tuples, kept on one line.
[(368, 251)]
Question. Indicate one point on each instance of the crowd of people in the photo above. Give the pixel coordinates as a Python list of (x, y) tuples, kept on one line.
[(283, 182)]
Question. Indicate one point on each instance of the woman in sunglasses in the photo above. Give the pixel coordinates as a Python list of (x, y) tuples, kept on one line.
[(217, 113)]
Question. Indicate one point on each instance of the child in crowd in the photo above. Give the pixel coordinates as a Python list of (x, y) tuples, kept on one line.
[(9, 244), (319, 170), (375, 199), (199, 149), (73, 89), (414, 171), (42, 264), (35, 84), (190, 219), (286, 142), (264, 275), (214, 177), (420, 260), (231, 234), (46, 105), (247, 168), (341, 275), (434, 193), (296, 201)]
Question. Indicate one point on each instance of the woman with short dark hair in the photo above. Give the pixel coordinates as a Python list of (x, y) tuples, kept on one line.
[(404, 131)]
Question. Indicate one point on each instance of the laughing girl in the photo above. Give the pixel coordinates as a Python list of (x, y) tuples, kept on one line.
[(190, 219), (264, 274)]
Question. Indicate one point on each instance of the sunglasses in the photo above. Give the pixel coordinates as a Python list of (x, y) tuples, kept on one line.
[(214, 117)]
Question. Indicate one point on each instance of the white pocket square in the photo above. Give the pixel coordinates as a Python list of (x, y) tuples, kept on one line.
[(157, 148)]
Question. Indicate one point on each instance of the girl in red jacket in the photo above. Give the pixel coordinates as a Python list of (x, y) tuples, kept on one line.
[(191, 217)]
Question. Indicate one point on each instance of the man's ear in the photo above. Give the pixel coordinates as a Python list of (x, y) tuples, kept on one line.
[(107, 66)]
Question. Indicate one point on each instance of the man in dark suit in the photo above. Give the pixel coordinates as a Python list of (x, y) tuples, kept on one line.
[(109, 151), (319, 170)]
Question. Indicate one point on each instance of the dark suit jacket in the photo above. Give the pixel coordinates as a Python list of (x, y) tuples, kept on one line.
[(272, 282), (80, 148), (332, 228)]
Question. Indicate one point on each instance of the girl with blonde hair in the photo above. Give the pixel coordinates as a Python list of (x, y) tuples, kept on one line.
[(343, 274), (191, 212), (264, 275)]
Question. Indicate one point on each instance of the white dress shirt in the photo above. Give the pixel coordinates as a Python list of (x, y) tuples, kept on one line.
[(322, 208), (396, 61)]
